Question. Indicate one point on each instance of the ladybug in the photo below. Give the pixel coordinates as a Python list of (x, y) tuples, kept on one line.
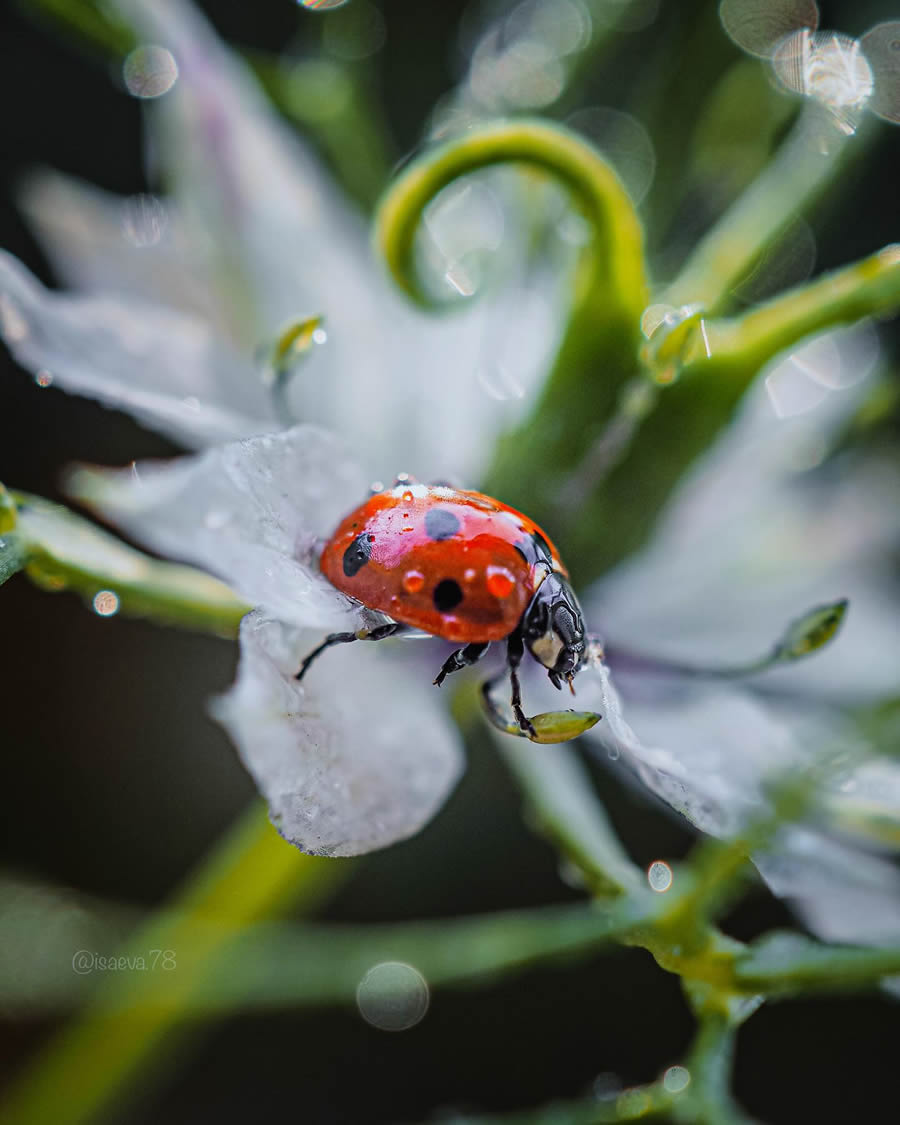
[(461, 566)]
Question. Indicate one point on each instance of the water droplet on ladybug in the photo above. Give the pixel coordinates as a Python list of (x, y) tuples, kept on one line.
[(500, 582), (470, 575), (407, 497), (413, 581)]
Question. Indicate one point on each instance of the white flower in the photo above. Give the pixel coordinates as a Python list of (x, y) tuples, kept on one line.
[(751, 538), (362, 753), (176, 298)]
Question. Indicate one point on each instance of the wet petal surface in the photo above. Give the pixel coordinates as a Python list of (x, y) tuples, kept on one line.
[(249, 512), (359, 756), (170, 371)]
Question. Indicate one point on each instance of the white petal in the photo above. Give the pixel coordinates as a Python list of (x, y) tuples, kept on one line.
[(712, 752), (248, 512), (358, 757), (842, 894), (750, 541), (166, 369), (135, 246), (411, 391), (705, 750)]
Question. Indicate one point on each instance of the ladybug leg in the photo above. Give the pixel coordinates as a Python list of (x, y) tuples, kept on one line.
[(462, 658), (345, 638), (515, 650)]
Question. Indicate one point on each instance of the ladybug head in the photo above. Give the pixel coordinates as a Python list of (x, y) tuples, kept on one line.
[(553, 628)]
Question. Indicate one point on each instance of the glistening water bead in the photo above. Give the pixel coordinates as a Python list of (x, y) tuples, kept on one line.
[(659, 876), (392, 996)]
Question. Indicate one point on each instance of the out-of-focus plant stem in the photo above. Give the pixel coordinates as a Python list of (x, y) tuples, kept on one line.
[(807, 162), (252, 874), (62, 551)]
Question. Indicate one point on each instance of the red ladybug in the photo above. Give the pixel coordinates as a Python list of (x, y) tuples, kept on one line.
[(461, 566)]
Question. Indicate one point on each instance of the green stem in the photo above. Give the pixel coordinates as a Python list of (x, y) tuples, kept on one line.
[(567, 810), (789, 184), (63, 551), (613, 260), (784, 964), (870, 287), (252, 874)]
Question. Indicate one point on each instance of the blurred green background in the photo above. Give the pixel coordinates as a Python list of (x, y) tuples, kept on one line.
[(115, 783)]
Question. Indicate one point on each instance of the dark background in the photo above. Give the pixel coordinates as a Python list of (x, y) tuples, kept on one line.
[(114, 781)]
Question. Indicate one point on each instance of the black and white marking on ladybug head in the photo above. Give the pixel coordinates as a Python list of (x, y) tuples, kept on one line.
[(553, 628)]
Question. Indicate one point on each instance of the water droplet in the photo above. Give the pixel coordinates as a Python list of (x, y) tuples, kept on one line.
[(407, 497), (376, 486), (831, 69), (106, 603), (470, 575), (150, 71), (321, 5), (43, 379), (320, 336), (613, 753), (676, 1079), (413, 581), (500, 582), (392, 996), (659, 876), (460, 280)]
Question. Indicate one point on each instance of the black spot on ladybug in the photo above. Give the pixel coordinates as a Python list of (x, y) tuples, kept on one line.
[(357, 555), (447, 595), (441, 523)]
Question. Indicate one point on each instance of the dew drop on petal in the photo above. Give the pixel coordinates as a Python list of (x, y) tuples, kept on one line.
[(106, 603), (676, 1079), (413, 581), (500, 582), (392, 996), (659, 876), (321, 5), (150, 71)]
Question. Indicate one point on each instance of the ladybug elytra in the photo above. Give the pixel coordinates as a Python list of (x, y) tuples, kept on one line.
[(461, 566)]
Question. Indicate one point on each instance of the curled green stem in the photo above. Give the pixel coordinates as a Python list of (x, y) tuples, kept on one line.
[(613, 259)]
